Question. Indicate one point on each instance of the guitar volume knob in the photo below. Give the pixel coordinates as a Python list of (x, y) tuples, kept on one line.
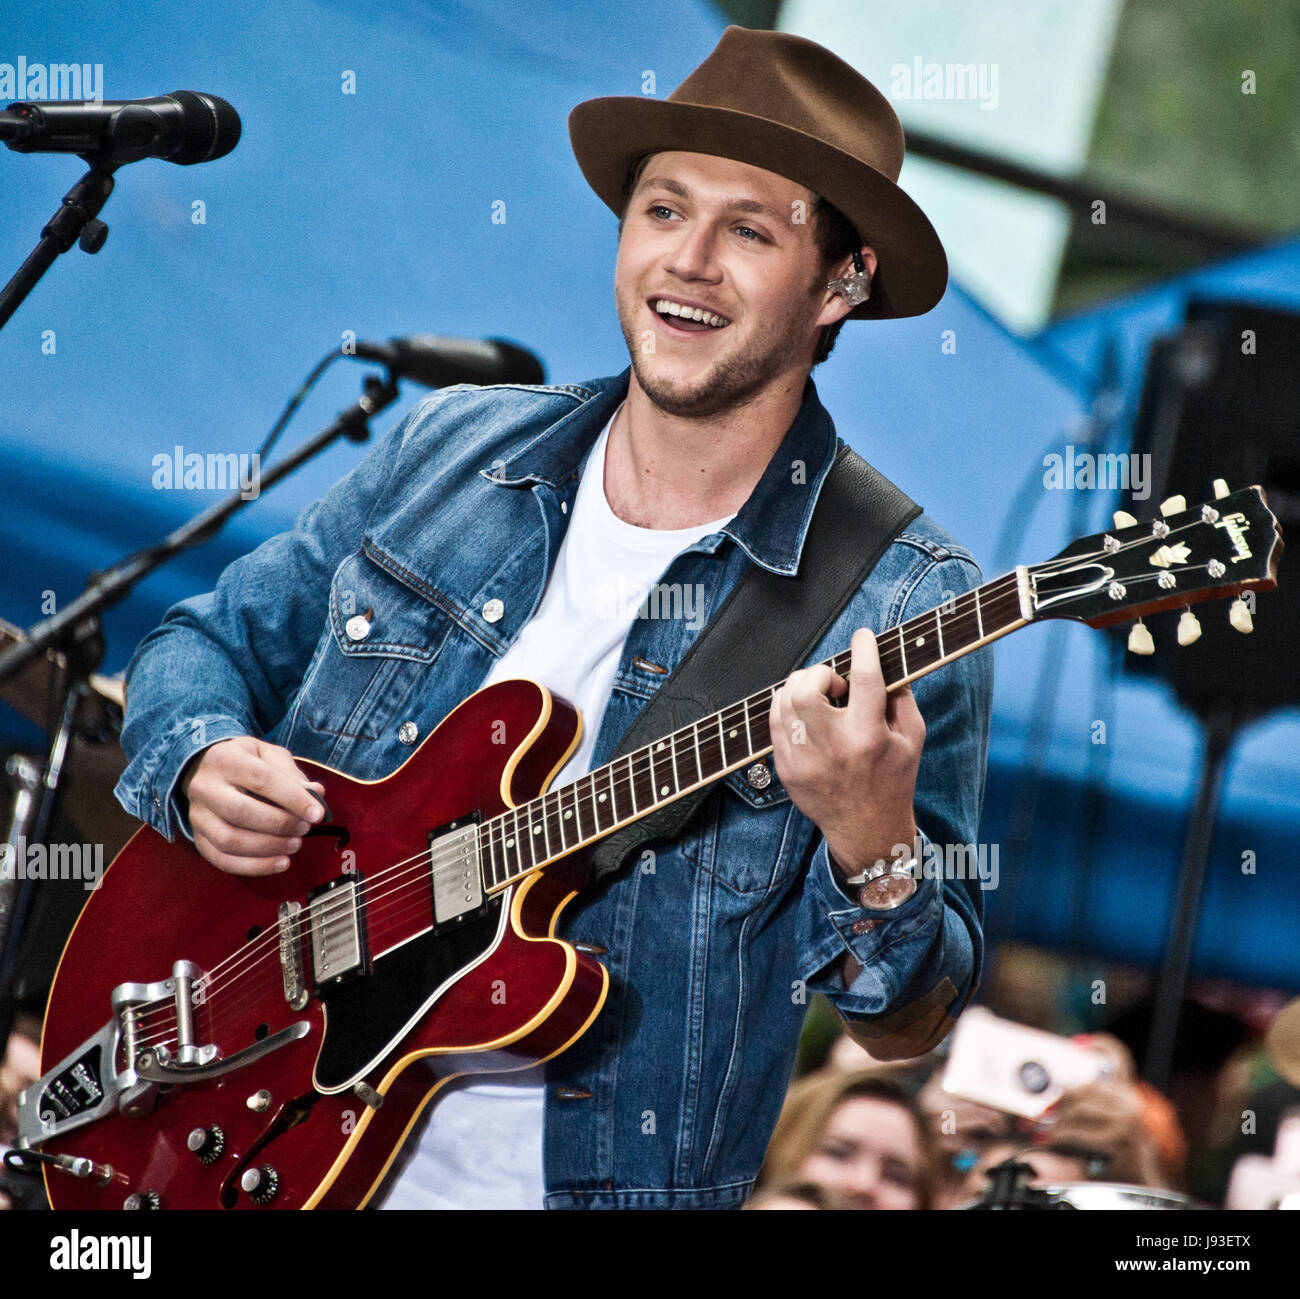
[(143, 1200), (262, 1184), (206, 1144)]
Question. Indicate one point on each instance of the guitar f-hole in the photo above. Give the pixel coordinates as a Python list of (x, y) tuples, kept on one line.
[(289, 1115)]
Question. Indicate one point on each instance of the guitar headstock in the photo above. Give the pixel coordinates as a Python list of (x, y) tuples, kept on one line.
[(1211, 551)]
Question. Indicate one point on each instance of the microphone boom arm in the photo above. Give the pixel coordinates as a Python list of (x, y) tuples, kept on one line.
[(77, 220)]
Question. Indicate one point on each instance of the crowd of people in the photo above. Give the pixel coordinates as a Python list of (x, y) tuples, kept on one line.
[(884, 1137), (857, 1134)]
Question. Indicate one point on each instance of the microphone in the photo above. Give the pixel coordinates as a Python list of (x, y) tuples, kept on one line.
[(183, 127), (440, 362)]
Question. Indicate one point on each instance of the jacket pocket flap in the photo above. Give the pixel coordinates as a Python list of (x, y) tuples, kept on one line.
[(373, 613)]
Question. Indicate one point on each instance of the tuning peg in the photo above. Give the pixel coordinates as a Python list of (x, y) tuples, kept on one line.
[(1173, 505), (1139, 639), (1123, 519), (1239, 617), (1189, 628), (1220, 489)]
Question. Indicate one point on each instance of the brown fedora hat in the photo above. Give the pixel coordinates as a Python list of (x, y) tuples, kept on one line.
[(790, 106)]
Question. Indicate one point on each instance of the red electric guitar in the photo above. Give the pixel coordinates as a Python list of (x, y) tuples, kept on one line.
[(219, 1041)]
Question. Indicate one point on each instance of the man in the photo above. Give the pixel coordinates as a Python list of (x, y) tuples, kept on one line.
[(513, 531)]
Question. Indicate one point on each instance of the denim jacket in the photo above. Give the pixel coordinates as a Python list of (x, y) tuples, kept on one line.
[(449, 529)]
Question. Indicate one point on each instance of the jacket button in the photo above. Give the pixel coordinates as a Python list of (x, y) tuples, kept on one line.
[(572, 1094), (493, 610), (759, 775), (357, 627), (864, 926), (408, 732)]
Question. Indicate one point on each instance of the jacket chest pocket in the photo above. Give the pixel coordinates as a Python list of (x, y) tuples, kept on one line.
[(754, 844), (380, 640)]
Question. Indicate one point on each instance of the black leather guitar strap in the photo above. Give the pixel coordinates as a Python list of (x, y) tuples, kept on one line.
[(765, 629)]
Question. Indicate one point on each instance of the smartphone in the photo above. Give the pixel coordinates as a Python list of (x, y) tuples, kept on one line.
[(1019, 1070)]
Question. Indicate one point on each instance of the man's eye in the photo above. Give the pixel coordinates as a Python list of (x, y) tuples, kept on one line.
[(659, 210), (747, 231)]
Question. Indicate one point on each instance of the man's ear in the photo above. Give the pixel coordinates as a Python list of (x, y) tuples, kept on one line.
[(837, 306)]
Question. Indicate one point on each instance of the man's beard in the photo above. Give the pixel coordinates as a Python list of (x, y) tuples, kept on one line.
[(731, 382)]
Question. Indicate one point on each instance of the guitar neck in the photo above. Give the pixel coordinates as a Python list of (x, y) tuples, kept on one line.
[(523, 839)]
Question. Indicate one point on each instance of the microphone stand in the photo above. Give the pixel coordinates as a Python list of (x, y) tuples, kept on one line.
[(77, 220), (77, 635)]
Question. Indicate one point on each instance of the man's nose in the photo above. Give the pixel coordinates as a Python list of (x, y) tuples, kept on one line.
[(694, 255)]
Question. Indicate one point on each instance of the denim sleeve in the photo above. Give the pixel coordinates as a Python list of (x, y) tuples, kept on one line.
[(920, 963), (227, 663)]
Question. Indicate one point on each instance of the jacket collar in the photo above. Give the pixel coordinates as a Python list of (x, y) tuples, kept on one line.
[(772, 524)]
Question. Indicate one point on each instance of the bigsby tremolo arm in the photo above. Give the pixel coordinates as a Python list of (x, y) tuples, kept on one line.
[(88, 1084)]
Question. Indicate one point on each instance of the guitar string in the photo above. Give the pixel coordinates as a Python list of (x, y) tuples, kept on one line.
[(390, 877), (213, 985), (1066, 561), (265, 978), (996, 590), (252, 985), (375, 891), (417, 905), (733, 712), (386, 882)]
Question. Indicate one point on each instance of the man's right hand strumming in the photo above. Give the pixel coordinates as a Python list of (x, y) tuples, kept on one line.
[(249, 805)]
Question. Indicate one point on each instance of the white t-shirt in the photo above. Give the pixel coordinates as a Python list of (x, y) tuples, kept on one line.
[(481, 1144)]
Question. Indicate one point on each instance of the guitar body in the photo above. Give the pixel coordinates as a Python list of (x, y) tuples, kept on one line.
[(494, 992)]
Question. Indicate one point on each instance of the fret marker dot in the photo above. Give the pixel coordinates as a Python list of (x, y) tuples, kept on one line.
[(567, 813), (601, 799), (663, 789), (733, 733), (537, 829), (920, 640), (510, 843), (660, 745)]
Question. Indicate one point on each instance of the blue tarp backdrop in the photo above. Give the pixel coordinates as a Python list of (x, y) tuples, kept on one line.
[(441, 196)]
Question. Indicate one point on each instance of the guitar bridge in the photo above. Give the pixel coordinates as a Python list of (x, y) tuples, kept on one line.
[(295, 988)]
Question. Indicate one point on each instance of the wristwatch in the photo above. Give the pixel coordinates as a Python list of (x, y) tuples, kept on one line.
[(885, 885)]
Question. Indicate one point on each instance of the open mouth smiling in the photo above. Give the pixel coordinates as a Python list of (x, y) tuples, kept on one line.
[(687, 317)]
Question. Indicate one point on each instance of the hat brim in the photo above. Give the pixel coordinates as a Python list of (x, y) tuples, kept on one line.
[(912, 273)]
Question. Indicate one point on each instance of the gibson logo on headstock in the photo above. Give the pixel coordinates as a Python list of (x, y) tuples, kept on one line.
[(1236, 527)]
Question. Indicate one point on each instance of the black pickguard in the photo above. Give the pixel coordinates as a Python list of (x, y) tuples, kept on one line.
[(364, 1016)]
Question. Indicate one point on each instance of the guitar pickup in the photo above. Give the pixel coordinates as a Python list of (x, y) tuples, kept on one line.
[(337, 924), (456, 873)]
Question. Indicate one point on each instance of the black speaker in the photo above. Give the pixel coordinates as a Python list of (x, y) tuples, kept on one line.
[(1222, 400)]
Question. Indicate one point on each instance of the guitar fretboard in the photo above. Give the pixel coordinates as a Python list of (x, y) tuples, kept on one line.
[(525, 838)]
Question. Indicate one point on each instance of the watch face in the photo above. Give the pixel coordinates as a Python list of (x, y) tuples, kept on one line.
[(886, 892)]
